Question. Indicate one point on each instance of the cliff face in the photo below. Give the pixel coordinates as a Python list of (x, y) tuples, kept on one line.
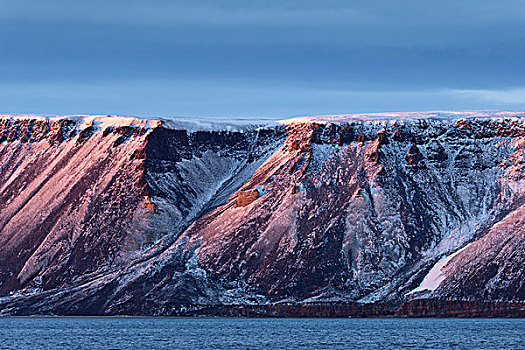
[(347, 210), (68, 198), (75, 192), (359, 211)]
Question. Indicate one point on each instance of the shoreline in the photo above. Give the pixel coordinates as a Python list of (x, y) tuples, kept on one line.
[(417, 308)]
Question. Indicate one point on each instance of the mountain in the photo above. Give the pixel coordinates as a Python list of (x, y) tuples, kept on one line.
[(414, 214)]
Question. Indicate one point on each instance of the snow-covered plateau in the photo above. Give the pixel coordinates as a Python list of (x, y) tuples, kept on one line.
[(109, 215)]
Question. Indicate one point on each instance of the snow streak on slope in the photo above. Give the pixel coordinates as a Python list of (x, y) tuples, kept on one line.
[(435, 276)]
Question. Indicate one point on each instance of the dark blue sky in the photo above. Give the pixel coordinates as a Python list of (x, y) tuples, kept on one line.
[(260, 58)]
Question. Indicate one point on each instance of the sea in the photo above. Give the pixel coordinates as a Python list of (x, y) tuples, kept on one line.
[(260, 333)]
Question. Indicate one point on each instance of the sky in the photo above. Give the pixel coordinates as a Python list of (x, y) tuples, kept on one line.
[(256, 58)]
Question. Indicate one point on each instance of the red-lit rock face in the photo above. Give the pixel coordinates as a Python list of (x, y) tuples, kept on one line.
[(359, 220), (72, 193), (68, 201), (246, 197), (355, 211)]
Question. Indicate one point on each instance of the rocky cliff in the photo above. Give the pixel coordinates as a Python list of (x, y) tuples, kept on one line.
[(120, 215)]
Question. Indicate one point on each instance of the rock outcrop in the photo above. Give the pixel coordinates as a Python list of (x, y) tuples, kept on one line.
[(246, 197)]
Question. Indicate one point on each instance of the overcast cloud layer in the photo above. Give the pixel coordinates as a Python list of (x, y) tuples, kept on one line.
[(260, 58)]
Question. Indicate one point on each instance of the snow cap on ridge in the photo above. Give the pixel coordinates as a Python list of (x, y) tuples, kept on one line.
[(244, 124), (392, 117)]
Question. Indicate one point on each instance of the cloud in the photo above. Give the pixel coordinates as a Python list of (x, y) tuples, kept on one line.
[(227, 98), (173, 13), (208, 57), (282, 12), (505, 96), (369, 23)]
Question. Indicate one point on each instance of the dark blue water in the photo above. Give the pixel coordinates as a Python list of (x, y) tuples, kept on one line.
[(220, 333)]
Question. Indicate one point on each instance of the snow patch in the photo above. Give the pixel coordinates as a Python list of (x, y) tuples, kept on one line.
[(213, 124), (402, 117), (86, 120), (435, 276)]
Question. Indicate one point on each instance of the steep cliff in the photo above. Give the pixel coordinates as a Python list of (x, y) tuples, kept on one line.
[(107, 215), (69, 191)]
